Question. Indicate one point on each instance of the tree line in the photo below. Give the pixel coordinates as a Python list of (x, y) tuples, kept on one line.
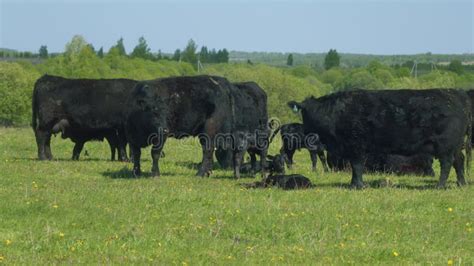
[(141, 50)]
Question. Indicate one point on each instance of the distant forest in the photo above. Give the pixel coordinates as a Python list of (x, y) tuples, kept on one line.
[(347, 60)]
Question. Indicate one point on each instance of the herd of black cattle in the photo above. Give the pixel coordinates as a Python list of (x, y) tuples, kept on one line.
[(398, 131)]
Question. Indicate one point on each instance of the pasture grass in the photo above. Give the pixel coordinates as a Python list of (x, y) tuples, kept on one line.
[(92, 212)]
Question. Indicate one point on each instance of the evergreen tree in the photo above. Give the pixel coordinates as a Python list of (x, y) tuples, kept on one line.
[(100, 53), (224, 56), (332, 59), (189, 53), (120, 47), (289, 60), (142, 50), (177, 55), (204, 55), (43, 51), (159, 55)]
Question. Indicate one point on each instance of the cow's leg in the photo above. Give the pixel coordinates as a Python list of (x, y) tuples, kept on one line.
[(156, 150), (314, 159), (263, 161), (136, 152), (237, 162), (459, 167), (43, 141), (113, 147), (47, 148), (253, 162), (122, 146), (289, 158), (322, 157), (357, 170), (207, 144), (445, 162), (77, 150)]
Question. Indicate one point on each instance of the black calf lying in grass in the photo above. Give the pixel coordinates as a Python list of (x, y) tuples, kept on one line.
[(294, 181), (286, 182)]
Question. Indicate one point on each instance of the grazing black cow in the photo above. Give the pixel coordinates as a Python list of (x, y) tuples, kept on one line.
[(250, 131), (82, 109), (353, 124), (178, 107), (293, 138)]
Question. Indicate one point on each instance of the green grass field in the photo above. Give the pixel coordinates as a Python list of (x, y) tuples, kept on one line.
[(91, 212)]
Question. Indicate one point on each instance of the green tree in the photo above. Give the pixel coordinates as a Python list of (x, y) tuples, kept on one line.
[(204, 55), (289, 60), (332, 59), (177, 55), (100, 53), (189, 53), (120, 47), (159, 56), (75, 46), (43, 51), (142, 50), (456, 67)]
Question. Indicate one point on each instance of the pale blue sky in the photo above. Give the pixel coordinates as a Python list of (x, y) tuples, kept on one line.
[(375, 27)]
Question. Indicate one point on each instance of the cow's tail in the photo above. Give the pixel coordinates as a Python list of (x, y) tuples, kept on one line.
[(274, 133), (35, 109), (469, 147)]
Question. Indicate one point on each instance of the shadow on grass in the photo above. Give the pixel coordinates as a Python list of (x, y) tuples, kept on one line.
[(384, 183), (195, 166), (126, 173), (67, 160)]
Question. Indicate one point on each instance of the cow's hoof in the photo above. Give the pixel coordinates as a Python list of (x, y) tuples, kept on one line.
[(155, 173), (357, 186), (137, 172), (461, 183), (441, 186)]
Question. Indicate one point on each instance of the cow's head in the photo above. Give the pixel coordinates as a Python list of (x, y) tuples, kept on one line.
[(148, 100)]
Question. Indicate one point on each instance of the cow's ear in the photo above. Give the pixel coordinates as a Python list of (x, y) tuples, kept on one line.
[(296, 107)]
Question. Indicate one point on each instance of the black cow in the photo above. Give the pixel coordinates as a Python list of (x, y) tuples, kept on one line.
[(293, 138), (250, 130), (353, 124), (82, 109), (178, 107)]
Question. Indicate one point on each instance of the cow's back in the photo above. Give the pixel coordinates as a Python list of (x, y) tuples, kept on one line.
[(83, 102), (391, 121)]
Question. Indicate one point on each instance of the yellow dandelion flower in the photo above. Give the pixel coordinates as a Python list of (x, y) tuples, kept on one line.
[(8, 242), (395, 254), (450, 262), (450, 209), (55, 206), (61, 234), (2, 258), (229, 257)]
